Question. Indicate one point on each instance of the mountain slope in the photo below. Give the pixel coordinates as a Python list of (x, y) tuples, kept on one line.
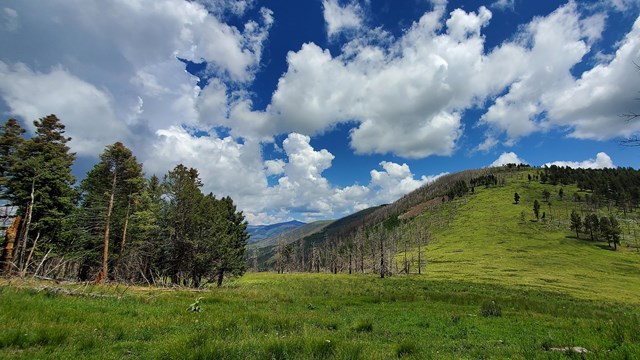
[(261, 232), (292, 235)]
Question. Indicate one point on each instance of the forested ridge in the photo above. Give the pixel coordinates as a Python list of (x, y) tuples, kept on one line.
[(116, 224)]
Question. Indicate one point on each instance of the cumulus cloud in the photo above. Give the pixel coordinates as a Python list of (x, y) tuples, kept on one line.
[(32, 95), (114, 67), (507, 158), (601, 161), (405, 96), (341, 18), (230, 168)]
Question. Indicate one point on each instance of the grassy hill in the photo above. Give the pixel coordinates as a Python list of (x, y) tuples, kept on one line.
[(483, 238)]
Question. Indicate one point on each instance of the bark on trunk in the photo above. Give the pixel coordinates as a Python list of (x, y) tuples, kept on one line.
[(220, 278), (105, 253), (12, 233), (123, 241), (26, 265), (25, 236)]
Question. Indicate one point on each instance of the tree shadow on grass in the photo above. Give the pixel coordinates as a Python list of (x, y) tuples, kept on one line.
[(605, 247)]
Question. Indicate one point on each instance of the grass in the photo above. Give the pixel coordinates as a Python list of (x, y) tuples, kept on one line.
[(494, 286), (267, 316)]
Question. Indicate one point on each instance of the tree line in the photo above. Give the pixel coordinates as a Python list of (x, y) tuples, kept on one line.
[(116, 224)]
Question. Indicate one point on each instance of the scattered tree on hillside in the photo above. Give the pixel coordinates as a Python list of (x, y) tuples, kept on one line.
[(516, 198), (592, 225), (561, 193), (605, 229), (576, 223), (614, 232), (536, 209), (546, 195)]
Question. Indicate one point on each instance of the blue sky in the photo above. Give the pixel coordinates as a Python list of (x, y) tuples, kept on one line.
[(314, 109)]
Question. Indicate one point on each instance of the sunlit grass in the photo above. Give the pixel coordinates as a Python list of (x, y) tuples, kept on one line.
[(265, 316)]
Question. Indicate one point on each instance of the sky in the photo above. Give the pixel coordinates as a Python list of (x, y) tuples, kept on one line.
[(314, 109)]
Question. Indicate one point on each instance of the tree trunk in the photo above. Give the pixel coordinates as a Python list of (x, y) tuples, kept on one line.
[(382, 267), (105, 252), (12, 233), (123, 241), (26, 265), (220, 278), (25, 236)]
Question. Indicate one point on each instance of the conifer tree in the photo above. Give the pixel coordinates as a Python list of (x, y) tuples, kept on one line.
[(576, 223), (39, 183), (107, 193)]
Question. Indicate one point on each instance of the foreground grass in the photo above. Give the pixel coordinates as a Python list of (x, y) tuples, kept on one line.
[(315, 316)]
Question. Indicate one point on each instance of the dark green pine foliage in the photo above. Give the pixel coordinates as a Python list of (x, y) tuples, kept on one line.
[(10, 141), (576, 223), (40, 183), (206, 237), (109, 195), (184, 199), (614, 232), (592, 225), (536, 209), (230, 258)]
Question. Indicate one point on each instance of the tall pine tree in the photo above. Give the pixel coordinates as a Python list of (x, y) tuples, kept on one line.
[(39, 183), (108, 192)]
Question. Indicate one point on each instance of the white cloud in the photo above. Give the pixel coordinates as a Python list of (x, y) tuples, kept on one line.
[(601, 161), (504, 4), (112, 69), (394, 181), (341, 18), (507, 158), (32, 95), (518, 112), (590, 105), (406, 96)]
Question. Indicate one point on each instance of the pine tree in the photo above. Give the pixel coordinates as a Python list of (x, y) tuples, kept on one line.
[(107, 194), (183, 195), (230, 256), (10, 141), (536, 209), (39, 183), (576, 223)]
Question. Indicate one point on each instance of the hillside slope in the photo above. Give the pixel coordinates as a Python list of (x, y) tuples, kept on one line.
[(486, 237), (261, 232), (292, 235)]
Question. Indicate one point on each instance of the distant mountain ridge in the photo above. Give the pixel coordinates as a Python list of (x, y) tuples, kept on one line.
[(261, 232)]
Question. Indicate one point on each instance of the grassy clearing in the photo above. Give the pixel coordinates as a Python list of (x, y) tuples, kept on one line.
[(315, 316)]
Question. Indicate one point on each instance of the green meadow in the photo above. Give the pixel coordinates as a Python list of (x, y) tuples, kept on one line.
[(496, 285)]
